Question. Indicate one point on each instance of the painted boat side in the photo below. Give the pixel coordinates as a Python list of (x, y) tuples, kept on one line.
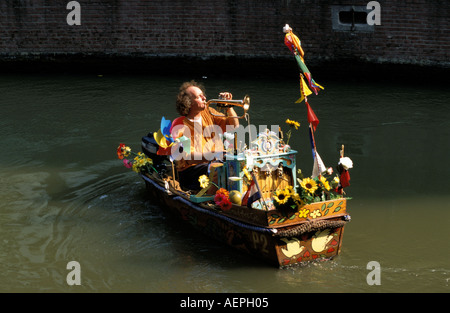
[(279, 246)]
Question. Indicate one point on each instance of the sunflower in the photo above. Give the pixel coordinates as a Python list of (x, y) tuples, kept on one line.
[(309, 185), (204, 181), (282, 196), (290, 190), (293, 195), (293, 123), (324, 182), (296, 197)]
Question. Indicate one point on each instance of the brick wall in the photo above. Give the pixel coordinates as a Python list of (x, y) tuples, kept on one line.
[(411, 32)]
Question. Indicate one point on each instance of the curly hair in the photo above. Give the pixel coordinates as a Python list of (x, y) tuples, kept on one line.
[(183, 102)]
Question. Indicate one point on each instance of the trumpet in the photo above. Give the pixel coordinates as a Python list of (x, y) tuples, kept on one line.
[(222, 104)]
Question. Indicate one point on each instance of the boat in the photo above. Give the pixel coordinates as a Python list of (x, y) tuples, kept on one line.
[(255, 199)]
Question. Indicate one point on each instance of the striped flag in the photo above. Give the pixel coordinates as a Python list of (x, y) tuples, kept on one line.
[(253, 193)]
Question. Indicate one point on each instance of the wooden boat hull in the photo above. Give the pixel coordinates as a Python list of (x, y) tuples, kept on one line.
[(279, 240)]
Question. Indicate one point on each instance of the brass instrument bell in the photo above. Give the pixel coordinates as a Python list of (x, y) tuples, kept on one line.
[(224, 104)]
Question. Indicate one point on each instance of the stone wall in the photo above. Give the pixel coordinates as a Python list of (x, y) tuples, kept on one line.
[(411, 32)]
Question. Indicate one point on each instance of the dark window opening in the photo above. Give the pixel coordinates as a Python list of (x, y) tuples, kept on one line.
[(353, 17)]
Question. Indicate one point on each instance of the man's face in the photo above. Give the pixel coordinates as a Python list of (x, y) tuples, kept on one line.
[(198, 99)]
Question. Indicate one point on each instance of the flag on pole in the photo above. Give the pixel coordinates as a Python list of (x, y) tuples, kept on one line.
[(314, 86), (318, 167), (294, 45), (253, 193), (345, 179), (312, 118), (304, 90), (344, 164)]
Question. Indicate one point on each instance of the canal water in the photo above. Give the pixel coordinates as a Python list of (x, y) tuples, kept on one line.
[(65, 196)]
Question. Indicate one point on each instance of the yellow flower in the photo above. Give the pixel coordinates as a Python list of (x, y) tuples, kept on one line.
[(290, 190), (126, 151), (303, 213), (137, 166), (309, 185), (293, 123), (296, 198), (204, 181), (324, 182), (316, 213), (335, 182), (282, 196)]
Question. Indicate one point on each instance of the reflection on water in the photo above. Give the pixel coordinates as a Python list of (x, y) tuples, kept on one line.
[(66, 197)]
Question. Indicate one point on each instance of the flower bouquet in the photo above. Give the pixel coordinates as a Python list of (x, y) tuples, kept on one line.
[(138, 162), (221, 197), (287, 199), (321, 188)]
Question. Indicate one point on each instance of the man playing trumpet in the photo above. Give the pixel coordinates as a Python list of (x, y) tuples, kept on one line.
[(204, 124)]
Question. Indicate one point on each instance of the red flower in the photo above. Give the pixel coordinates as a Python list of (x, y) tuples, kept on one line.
[(222, 201), (226, 205), (120, 151), (219, 198), (223, 191), (127, 163)]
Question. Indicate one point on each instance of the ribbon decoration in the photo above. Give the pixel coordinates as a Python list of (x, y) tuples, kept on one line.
[(294, 45)]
